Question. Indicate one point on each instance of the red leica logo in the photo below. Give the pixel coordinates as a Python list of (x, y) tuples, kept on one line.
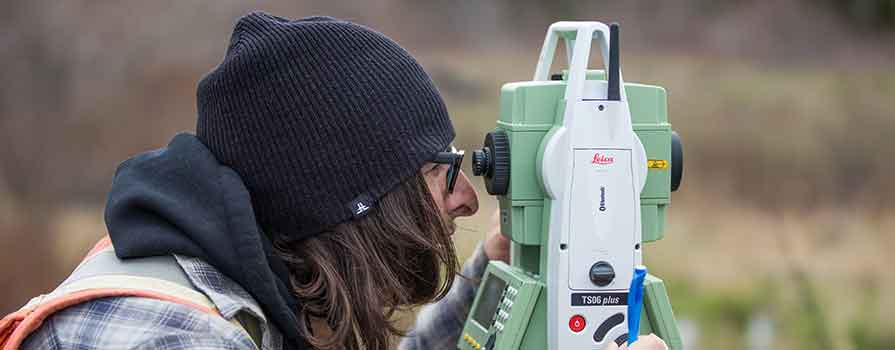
[(602, 160)]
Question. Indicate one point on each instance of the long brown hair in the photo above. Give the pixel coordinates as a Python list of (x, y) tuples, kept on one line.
[(357, 275)]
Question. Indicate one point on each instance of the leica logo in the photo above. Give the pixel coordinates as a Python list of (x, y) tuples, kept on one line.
[(602, 159)]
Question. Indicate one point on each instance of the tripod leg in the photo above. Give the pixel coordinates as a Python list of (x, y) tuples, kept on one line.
[(658, 311)]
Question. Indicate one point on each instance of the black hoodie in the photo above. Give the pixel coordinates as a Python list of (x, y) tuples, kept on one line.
[(181, 200)]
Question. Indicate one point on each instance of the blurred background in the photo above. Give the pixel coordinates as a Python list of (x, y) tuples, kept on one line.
[(780, 236)]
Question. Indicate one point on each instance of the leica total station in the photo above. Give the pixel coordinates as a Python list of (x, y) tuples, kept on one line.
[(583, 165)]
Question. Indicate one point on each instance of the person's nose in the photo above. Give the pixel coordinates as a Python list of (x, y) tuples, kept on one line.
[(464, 201)]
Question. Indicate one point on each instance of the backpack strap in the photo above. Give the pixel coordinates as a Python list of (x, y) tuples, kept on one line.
[(100, 275), (104, 263)]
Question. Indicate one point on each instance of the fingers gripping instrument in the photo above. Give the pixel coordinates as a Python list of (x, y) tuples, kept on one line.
[(582, 164)]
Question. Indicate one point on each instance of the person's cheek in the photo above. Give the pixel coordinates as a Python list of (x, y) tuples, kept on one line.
[(436, 190)]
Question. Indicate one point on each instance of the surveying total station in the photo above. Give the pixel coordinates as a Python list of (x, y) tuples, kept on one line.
[(583, 165)]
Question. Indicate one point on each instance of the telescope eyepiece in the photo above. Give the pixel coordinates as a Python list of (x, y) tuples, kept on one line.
[(481, 162)]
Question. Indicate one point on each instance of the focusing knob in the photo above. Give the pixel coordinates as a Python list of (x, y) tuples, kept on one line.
[(677, 161), (602, 273), (493, 162)]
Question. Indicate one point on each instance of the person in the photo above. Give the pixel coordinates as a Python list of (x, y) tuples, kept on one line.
[(315, 201)]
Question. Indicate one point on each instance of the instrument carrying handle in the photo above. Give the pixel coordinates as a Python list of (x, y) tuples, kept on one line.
[(579, 36)]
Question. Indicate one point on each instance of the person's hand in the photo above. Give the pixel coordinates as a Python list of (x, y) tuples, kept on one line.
[(644, 342), (497, 246)]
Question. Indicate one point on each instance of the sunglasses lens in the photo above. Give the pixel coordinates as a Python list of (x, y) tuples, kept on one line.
[(454, 172)]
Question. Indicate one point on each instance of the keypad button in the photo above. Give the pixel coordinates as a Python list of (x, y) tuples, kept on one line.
[(503, 315)]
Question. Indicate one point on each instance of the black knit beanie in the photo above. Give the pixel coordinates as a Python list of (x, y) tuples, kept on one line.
[(320, 117)]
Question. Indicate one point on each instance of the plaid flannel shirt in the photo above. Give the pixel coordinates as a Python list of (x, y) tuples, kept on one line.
[(141, 323)]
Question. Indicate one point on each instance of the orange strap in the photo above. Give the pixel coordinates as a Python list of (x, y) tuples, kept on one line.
[(103, 243), (15, 327)]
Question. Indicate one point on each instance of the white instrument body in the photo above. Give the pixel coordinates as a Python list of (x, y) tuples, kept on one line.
[(594, 168)]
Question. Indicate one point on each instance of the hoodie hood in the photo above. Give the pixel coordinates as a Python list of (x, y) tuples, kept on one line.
[(181, 200)]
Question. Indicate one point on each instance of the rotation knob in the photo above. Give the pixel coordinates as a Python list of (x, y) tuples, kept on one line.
[(493, 162), (602, 273)]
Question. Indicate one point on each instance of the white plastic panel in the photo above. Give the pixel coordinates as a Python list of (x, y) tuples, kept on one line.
[(603, 220)]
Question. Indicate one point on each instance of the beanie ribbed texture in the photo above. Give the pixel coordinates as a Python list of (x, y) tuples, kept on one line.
[(319, 117)]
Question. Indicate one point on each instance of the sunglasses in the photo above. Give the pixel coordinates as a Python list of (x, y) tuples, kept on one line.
[(454, 158)]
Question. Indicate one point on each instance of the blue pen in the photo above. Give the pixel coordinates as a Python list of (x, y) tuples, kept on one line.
[(635, 302)]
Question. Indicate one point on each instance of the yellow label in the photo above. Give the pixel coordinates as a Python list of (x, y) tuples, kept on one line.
[(657, 164)]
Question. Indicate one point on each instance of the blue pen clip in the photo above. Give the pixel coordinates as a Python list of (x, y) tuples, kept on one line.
[(635, 303)]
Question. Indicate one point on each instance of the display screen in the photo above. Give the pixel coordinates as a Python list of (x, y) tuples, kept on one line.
[(488, 300)]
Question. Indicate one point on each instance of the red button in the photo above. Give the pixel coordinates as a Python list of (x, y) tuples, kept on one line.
[(577, 323)]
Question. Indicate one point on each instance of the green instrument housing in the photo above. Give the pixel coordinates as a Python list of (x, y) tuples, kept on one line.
[(517, 299), (529, 112)]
